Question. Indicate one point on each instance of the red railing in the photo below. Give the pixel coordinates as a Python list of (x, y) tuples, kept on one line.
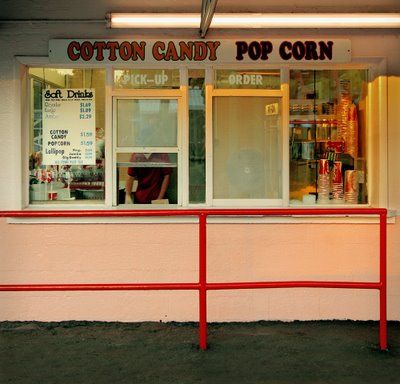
[(203, 286)]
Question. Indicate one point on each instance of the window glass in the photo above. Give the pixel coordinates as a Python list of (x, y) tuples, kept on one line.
[(197, 161), (247, 148), (67, 146), (248, 79), (147, 123), (36, 134), (147, 178), (328, 136), (146, 78)]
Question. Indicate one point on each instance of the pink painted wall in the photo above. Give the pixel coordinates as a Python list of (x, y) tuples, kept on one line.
[(121, 253)]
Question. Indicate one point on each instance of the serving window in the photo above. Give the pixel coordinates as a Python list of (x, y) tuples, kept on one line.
[(146, 151), (247, 148), (199, 137), (247, 132)]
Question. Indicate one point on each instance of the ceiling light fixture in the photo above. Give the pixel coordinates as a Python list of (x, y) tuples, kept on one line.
[(256, 20)]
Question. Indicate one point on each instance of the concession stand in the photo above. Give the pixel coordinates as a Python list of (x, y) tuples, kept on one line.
[(131, 154)]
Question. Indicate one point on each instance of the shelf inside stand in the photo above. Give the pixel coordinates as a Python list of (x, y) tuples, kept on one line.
[(312, 140)]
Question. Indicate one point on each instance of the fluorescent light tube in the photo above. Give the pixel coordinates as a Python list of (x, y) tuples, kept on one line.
[(256, 20), (306, 20), (155, 20)]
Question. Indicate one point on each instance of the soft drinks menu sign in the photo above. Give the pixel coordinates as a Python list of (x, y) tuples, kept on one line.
[(69, 130)]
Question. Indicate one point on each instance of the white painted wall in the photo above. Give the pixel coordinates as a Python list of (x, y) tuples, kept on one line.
[(57, 253)]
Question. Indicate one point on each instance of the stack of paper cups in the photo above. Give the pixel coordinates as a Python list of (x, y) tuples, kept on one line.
[(351, 187), (323, 181), (337, 181), (352, 132), (343, 110)]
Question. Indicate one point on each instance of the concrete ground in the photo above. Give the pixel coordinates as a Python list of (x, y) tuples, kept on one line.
[(263, 352)]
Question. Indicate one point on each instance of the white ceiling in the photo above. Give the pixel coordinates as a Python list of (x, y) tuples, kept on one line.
[(96, 9)]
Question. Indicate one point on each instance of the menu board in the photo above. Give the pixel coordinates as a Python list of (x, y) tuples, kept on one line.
[(69, 127)]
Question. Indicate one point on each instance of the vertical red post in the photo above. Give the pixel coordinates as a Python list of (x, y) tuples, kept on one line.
[(203, 281), (382, 279)]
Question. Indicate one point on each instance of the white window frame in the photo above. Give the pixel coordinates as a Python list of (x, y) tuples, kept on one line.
[(181, 149), (211, 92), (24, 63), (377, 98), (377, 169), (172, 149)]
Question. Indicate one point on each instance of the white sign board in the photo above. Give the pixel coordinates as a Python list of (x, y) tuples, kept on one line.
[(69, 127), (256, 51)]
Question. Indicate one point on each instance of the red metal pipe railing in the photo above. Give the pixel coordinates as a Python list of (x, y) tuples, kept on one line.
[(197, 212), (203, 281), (294, 284), (383, 280), (101, 287), (203, 286)]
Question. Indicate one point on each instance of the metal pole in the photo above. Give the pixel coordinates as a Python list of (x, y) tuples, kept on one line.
[(383, 282), (295, 284), (196, 212), (99, 287), (207, 13), (203, 281)]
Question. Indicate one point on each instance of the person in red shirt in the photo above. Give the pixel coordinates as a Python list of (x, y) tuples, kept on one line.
[(152, 181)]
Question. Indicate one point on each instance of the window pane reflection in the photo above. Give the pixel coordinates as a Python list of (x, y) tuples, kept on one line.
[(247, 148), (147, 123)]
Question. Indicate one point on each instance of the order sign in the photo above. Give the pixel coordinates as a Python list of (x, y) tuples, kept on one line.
[(69, 130)]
